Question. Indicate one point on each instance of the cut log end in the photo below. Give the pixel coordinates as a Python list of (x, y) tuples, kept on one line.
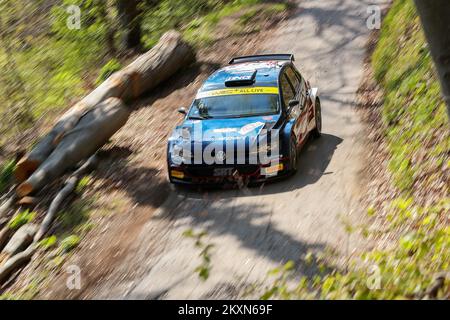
[(25, 168), (27, 201), (24, 189), (3, 257)]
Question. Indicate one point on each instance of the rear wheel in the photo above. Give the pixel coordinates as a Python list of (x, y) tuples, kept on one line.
[(317, 131)]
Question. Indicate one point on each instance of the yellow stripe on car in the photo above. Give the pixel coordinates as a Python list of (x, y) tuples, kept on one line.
[(237, 91)]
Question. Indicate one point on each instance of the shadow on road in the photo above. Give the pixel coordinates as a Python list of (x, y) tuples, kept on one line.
[(313, 161), (141, 183), (222, 213)]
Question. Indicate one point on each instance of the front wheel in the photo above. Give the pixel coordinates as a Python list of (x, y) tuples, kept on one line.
[(317, 131), (293, 153)]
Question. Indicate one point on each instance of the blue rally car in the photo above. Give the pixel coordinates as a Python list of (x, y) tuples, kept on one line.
[(247, 123)]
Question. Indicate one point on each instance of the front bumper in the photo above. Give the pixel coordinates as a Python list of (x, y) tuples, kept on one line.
[(222, 174)]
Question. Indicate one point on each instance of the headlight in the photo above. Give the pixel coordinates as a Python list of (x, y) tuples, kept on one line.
[(180, 155), (177, 150)]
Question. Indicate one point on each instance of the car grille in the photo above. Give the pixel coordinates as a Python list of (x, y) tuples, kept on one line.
[(208, 170)]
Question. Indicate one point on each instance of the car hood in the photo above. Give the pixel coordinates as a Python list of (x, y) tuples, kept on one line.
[(224, 129)]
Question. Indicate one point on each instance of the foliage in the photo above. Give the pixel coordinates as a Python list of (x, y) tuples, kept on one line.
[(21, 218), (107, 70), (414, 113), (46, 63), (195, 18), (47, 66), (417, 135), (249, 16), (204, 268), (69, 243), (83, 184), (48, 242), (6, 171), (403, 272), (76, 216)]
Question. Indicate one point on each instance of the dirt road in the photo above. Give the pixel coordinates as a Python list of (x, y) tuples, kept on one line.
[(255, 230)]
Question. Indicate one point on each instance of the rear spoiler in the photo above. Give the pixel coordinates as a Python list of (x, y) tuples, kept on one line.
[(262, 57)]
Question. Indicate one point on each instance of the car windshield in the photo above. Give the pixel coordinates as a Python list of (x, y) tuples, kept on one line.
[(244, 105)]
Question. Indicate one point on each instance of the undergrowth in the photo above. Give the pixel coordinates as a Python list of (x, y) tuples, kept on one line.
[(417, 136)]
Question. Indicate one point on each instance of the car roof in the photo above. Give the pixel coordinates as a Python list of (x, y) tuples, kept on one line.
[(266, 74)]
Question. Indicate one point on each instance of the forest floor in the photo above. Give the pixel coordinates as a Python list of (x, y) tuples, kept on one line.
[(140, 251)]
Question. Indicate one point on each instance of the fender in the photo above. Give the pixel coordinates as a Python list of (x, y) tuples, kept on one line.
[(285, 136), (313, 94)]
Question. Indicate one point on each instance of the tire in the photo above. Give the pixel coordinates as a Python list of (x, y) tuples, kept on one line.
[(293, 155), (317, 131)]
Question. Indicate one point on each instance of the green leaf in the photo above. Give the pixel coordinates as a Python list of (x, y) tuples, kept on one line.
[(21, 218), (69, 243), (48, 242), (289, 265)]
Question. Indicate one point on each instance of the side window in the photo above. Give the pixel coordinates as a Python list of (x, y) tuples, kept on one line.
[(286, 89), (302, 87), (293, 78)]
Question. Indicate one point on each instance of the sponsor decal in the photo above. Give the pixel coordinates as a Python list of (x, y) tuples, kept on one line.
[(239, 78), (225, 130), (208, 147), (237, 91), (250, 127)]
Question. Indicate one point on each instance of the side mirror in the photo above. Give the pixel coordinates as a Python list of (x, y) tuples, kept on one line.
[(293, 103), (182, 110)]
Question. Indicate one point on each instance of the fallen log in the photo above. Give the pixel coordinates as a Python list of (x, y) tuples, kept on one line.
[(147, 71), (16, 262), (21, 239), (69, 187), (6, 206), (93, 130), (30, 235), (5, 234)]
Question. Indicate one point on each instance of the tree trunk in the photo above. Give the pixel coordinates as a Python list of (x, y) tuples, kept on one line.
[(110, 26), (162, 61), (129, 16), (435, 17)]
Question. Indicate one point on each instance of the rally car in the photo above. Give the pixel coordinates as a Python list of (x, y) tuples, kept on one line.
[(247, 123)]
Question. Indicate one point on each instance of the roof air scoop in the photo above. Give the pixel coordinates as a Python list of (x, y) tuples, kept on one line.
[(243, 79)]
